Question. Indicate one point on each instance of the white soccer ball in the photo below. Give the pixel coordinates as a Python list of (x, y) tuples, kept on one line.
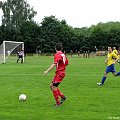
[(22, 97)]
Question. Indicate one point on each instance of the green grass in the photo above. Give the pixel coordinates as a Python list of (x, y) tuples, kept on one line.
[(85, 100)]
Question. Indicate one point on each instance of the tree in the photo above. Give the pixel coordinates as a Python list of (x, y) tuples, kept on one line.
[(53, 31), (105, 34), (30, 34), (15, 13)]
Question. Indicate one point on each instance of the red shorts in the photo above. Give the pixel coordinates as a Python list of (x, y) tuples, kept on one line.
[(58, 77)]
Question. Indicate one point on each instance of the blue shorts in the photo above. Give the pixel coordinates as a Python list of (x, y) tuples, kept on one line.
[(110, 69)]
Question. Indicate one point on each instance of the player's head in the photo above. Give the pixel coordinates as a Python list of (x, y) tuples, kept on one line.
[(109, 49), (114, 48), (58, 47)]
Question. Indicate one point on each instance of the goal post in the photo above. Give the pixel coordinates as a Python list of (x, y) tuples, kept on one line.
[(8, 48)]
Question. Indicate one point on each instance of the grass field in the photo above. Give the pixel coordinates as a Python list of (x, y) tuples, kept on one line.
[(85, 100)]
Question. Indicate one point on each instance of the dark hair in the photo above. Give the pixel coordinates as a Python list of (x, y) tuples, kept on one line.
[(59, 46)]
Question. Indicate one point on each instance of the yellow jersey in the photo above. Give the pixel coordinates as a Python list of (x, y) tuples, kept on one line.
[(111, 57), (115, 51)]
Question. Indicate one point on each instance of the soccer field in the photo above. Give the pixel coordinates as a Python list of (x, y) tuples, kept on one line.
[(85, 100)]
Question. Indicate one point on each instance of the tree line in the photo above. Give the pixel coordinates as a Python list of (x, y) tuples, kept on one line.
[(18, 25)]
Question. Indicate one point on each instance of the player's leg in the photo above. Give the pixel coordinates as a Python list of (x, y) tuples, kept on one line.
[(21, 57), (18, 59), (22, 60), (57, 93), (60, 93), (103, 79), (63, 97), (53, 87), (114, 71), (60, 78), (105, 76)]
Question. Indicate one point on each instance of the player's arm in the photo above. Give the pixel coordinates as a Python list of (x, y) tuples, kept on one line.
[(106, 61), (116, 57), (116, 52), (50, 68), (66, 62)]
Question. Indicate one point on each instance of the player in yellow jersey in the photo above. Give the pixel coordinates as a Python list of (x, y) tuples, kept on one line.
[(115, 51), (112, 58)]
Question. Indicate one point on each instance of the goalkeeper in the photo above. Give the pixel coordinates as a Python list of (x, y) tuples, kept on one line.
[(20, 56)]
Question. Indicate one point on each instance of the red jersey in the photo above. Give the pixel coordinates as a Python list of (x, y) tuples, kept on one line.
[(61, 61)]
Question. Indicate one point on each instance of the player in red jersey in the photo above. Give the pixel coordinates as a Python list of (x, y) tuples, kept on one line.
[(60, 62)]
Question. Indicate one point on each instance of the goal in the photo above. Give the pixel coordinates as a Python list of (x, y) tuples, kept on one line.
[(10, 48)]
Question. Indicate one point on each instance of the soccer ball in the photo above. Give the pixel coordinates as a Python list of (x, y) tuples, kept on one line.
[(22, 97)]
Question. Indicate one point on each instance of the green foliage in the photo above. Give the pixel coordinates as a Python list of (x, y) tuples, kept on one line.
[(105, 34), (54, 31), (30, 34), (16, 12)]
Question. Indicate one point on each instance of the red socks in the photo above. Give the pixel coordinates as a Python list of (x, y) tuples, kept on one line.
[(56, 96), (60, 94)]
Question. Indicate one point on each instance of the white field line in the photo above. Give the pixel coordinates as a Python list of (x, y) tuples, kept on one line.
[(24, 74)]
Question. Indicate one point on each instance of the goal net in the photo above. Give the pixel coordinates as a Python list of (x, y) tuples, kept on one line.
[(9, 51)]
